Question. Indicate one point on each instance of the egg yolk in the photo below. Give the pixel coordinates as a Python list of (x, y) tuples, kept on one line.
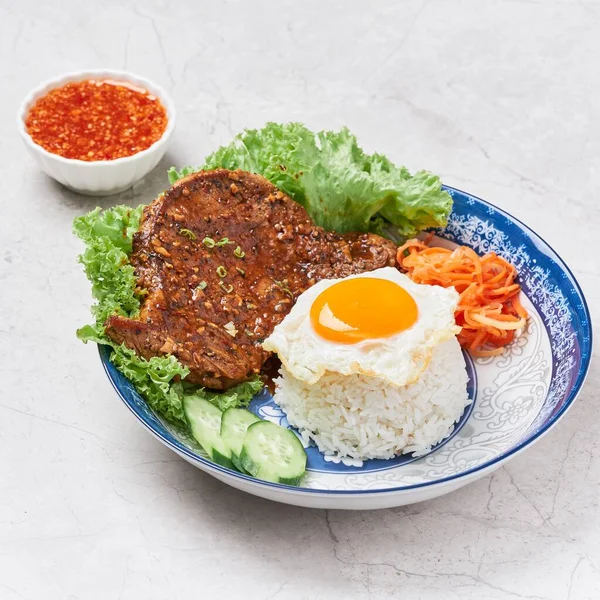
[(362, 308)]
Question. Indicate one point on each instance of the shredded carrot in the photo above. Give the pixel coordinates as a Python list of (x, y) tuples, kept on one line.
[(489, 309)]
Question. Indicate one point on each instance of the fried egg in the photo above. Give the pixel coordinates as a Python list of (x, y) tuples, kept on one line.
[(380, 324)]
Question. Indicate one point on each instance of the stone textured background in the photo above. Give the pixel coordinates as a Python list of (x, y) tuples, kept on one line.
[(500, 98)]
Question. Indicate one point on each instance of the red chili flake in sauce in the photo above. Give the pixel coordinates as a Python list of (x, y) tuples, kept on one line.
[(97, 120)]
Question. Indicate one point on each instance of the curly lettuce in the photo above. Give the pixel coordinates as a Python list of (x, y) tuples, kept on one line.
[(342, 188), (107, 235)]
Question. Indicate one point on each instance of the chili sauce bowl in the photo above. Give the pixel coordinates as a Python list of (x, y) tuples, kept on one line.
[(102, 177)]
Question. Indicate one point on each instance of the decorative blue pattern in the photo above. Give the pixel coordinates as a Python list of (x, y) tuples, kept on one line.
[(545, 369), (544, 279)]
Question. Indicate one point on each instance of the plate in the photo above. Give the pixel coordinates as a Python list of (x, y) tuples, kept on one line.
[(516, 397)]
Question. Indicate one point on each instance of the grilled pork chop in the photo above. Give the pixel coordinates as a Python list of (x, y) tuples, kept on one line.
[(223, 255)]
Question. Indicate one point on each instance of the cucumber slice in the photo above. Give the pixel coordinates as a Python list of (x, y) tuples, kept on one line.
[(234, 424), (205, 422), (273, 453)]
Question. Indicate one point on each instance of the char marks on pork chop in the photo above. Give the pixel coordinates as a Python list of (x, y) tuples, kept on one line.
[(223, 255)]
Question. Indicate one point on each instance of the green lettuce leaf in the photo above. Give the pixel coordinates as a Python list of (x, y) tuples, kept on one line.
[(342, 188), (107, 235), (175, 175), (157, 380), (238, 396)]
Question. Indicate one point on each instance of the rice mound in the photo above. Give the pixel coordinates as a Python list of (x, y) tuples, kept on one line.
[(364, 417)]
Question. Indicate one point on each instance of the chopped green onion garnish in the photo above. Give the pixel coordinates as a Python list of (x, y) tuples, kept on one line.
[(226, 288), (223, 241), (283, 286), (241, 272), (188, 233), (221, 271), (209, 242), (202, 285), (239, 252)]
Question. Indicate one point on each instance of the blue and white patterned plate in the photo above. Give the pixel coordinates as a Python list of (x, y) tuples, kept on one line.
[(518, 396)]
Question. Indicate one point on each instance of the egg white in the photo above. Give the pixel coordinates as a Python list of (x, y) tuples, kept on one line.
[(398, 359)]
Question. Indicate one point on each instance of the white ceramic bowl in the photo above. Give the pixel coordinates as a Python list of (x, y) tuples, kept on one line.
[(98, 178)]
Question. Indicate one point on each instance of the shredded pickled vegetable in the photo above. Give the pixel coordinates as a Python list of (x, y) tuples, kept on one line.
[(489, 309)]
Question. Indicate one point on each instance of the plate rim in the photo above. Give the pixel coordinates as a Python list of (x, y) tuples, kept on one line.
[(483, 467)]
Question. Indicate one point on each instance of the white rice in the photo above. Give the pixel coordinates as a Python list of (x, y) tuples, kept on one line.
[(365, 417)]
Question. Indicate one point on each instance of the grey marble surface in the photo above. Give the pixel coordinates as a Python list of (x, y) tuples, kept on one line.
[(498, 97)]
